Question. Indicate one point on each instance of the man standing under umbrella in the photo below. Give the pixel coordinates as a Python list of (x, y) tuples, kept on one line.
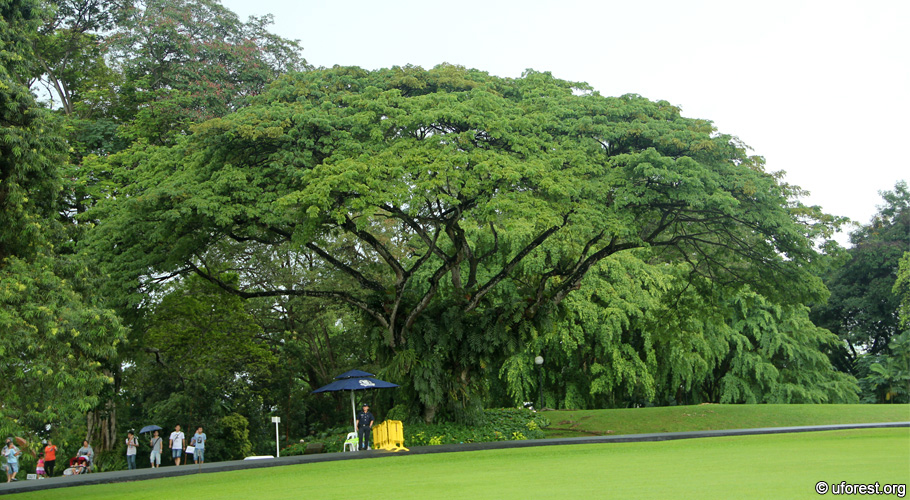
[(155, 455), (364, 427)]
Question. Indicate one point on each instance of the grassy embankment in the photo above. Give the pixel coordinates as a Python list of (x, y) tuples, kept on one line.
[(576, 423)]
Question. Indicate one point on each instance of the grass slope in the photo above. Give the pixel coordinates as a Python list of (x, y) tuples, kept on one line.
[(575, 423), (771, 466)]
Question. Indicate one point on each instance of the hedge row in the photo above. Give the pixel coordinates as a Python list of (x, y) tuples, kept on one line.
[(502, 424)]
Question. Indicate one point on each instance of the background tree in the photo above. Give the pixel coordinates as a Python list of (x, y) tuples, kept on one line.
[(902, 289), (863, 309), (187, 61), (455, 210), (54, 337), (203, 354), (119, 72), (69, 63)]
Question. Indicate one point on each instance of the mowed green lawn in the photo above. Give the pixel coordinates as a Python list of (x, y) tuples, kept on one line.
[(768, 466), (574, 423)]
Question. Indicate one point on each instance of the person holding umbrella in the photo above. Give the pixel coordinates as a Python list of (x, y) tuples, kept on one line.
[(156, 444), (364, 427)]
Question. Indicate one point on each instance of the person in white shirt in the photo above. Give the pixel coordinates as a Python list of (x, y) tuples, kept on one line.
[(176, 444), (132, 444)]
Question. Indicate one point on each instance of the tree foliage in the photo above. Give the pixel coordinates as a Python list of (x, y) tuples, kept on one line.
[(864, 308), (120, 73), (197, 358), (643, 334), (69, 52), (902, 289), (887, 375), (52, 342), (187, 61), (53, 335), (456, 210), (260, 230)]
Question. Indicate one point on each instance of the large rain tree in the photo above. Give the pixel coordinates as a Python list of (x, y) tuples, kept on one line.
[(455, 210), (640, 333)]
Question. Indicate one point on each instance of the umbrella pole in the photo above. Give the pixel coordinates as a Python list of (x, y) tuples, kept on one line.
[(353, 411)]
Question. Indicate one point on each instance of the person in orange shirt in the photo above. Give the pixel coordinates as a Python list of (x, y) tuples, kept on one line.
[(50, 458)]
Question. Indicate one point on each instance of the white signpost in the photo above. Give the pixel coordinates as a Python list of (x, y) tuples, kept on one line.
[(277, 420)]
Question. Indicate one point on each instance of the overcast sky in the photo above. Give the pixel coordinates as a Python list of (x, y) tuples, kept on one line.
[(821, 89)]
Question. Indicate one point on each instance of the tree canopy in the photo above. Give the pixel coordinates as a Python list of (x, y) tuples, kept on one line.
[(53, 336), (866, 302), (454, 209), (864, 307), (198, 227)]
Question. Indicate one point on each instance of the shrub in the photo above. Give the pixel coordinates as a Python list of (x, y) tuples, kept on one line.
[(234, 437), (332, 441), (106, 461), (294, 450), (497, 425)]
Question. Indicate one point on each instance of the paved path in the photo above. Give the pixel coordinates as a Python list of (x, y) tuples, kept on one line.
[(172, 471)]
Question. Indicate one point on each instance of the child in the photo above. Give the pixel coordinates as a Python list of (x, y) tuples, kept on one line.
[(77, 466), (39, 471), (12, 460)]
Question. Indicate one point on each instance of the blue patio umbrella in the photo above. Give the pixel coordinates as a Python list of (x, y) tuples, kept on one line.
[(355, 380), (353, 374)]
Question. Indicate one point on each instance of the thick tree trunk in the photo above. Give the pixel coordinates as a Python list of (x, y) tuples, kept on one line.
[(102, 427), (101, 423), (429, 413)]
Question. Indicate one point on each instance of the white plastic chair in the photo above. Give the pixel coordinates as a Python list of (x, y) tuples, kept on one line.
[(351, 442)]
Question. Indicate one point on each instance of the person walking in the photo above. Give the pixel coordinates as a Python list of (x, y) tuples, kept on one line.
[(12, 460), (176, 444), (364, 427), (50, 458), (132, 445), (198, 442), (155, 456)]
